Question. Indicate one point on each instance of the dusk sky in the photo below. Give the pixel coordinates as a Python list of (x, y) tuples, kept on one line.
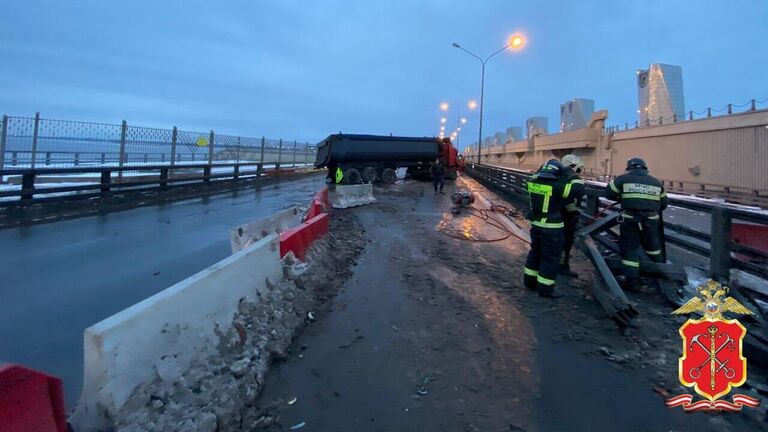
[(304, 69)]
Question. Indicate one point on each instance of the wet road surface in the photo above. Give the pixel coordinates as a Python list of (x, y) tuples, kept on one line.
[(59, 278), (436, 334)]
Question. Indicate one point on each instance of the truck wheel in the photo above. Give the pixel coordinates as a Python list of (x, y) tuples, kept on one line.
[(370, 174), (388, 176), (351, 176)]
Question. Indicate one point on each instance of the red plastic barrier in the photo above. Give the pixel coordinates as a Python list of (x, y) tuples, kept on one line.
[(320, 204), (299, 239), (30, 401), (754, 236)]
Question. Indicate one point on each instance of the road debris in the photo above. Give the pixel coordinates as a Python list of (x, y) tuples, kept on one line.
[(359, 337)]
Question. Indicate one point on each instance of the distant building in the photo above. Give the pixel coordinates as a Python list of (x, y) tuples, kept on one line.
[(660, 94), (536, 126), (488, 141), (514, 133), (500, 138), (575, 114)]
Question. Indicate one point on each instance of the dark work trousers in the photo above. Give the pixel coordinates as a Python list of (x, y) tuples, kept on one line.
[(638, 230), (543, 261), (571, 221), (438, 180)]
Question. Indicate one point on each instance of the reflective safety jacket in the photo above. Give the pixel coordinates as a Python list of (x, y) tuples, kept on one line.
[(637, 190), (571, 207), (339, 175), (547, 200)]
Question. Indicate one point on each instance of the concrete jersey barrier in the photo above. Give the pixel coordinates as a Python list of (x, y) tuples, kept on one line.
[(163, 334), (245, 235)]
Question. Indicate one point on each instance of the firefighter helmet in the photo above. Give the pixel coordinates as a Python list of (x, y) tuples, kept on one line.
[(636, 163), (572, 161)]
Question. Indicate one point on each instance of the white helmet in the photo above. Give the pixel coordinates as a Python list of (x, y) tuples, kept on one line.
[(573, 161)]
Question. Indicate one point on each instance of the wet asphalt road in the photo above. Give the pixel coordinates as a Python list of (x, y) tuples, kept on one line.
[(59, 278), (482, 350)]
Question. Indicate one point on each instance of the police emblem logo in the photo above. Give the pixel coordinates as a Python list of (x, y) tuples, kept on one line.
[(712, 362)]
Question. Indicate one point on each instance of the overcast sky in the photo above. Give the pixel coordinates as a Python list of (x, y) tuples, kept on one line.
[(304, 69)]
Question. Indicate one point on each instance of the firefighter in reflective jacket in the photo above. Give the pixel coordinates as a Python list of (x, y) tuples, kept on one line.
[(571, 209), (548, 190), (642, 198)]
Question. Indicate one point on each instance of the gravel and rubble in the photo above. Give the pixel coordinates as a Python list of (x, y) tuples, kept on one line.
[(217, 393)]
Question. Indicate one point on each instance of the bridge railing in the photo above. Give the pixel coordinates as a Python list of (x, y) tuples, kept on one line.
[(33, 142), (721, 244), (38, 185)]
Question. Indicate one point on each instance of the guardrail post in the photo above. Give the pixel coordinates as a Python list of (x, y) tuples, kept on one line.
[(174, 137), (730, 109), (207, 173), (3, 135), (237, 153), (106, 180), (294, 153), (709, 112), (279, 154), (306, 154), (47, 158), (103, 158), (210, 148), (720, 247), (690, 115), (77, 158), (263, 142), (34, 138), (123, 133), (163, 177), (754, 106), (236, 174), (27, 185), (593, 204)]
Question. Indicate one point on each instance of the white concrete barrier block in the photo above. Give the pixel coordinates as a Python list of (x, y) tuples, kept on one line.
[(245, 235), (345, 196), (163, 334)]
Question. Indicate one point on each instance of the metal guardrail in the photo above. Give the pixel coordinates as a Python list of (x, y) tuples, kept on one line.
[(152, 177), (35, 142), (715, 245)]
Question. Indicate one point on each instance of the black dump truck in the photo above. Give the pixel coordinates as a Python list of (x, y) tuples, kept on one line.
[(375, 158)]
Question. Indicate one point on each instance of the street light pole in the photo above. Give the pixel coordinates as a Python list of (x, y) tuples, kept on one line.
[(514, 42)]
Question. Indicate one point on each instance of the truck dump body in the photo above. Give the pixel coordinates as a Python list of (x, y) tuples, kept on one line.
[(375, 158), (400, 151)]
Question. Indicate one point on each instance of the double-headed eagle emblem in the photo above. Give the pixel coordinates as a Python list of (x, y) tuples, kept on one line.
[(710, 303), (712, 362)]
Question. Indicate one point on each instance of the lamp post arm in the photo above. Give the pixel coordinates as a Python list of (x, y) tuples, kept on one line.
[(471, 53), (502, 49)]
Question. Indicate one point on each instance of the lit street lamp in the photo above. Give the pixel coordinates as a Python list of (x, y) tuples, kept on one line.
[(461, 120), (515, 42)]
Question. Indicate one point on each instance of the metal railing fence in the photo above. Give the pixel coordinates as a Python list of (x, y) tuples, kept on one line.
[(34, 142), (715, 244)]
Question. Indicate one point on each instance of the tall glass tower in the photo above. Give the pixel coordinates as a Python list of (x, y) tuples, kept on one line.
[(575, 114), (660, 94)]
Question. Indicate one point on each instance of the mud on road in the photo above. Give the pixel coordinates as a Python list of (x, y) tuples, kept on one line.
[(438, 334)]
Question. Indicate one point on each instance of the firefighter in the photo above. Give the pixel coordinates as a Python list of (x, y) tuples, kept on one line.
[(642, 198), (548, 190), (571, 209), (438, 176)]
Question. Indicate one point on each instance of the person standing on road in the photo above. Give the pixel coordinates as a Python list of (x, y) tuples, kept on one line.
[(642, 198), (438, 176), (548, 191), (571, 212)]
